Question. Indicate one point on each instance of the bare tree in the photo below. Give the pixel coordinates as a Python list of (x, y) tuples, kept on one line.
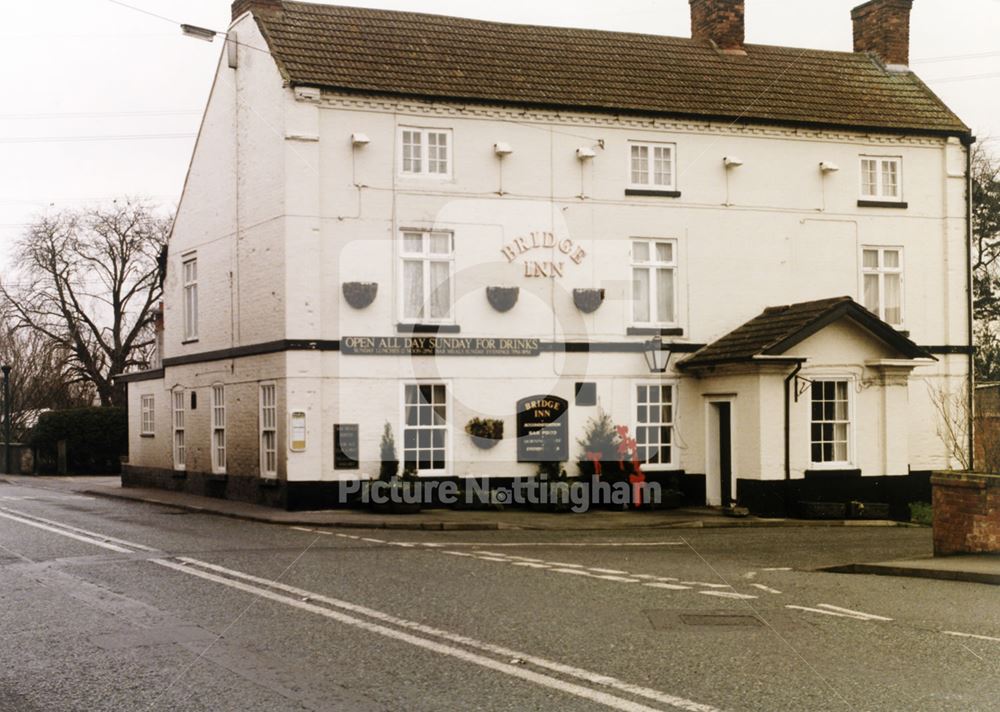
[(39, 377), (953, 421), (88, 281)]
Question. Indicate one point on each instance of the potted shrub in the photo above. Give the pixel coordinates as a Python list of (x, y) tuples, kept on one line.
[(502, 299), (485, 432), (588, 300), (389, 463)]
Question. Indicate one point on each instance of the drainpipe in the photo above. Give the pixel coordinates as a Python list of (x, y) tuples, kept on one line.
[(788, 419), (968, 270)]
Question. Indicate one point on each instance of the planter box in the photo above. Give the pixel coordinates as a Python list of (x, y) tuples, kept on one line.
[(822, 510), (966, 513)]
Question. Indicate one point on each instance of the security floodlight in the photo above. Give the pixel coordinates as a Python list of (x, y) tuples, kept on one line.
[(199, 33), (585, 153), (828, 167), (502, 149), (360, 139), (732, 162)]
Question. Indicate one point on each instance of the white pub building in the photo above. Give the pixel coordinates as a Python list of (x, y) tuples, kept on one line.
[(419, 220)]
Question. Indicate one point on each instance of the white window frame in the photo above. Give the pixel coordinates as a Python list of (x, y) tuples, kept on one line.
[(147, 414), (448, 427), (881, 271), (268, 426), (189, 278), (178, 414), (426, 257), (653, 266), (851, 421), (218, 434), (424, 133), (880, 188), (650, 183), (672, 464)]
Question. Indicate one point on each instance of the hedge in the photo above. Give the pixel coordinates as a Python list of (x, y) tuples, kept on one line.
[(96, 438)]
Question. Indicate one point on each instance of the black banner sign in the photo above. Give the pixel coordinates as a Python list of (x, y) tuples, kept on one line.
[(345, 446), (437, 346), (542, 429)]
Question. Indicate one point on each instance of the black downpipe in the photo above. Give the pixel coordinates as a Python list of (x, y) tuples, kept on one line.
[(968, 266), (788, 420)]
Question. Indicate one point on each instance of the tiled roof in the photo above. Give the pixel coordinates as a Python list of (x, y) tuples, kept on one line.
[(777, 329), (433, 56)]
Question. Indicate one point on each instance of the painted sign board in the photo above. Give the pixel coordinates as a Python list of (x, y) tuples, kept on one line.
[(345, 446), (542, 429), (297, 431), (437, 346)]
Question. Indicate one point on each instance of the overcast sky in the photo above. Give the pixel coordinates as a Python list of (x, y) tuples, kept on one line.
[(100, 100)]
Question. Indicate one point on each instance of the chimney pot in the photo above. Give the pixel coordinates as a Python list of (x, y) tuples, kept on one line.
[(719, 21), (882, 27), (258, 7)]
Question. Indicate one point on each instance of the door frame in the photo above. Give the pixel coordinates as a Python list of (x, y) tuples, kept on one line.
[(713, 474)]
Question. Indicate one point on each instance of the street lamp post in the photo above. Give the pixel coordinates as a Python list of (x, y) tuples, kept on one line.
[(6, 418)]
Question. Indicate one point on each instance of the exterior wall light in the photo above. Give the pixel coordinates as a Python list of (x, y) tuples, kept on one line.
[(585, 153), (732, 162), (657, 358), (199, 33), (360, 139), (502, 149), (828, 167)]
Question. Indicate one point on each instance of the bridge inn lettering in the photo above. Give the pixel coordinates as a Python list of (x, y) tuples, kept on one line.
[(425, 255)]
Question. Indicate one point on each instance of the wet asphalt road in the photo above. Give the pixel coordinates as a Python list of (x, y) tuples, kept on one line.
[(112, 605)]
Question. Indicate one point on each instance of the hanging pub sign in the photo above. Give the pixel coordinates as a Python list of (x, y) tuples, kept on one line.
[(437, 346), (542, 430)]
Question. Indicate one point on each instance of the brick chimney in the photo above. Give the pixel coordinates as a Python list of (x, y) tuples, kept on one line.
[(882, 27), (720, 21), (258, 7)]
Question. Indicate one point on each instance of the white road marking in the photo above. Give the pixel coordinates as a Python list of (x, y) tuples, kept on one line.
[(95, 535), (708, 585), (69, 534), (970, 635), (619, 579), (546, 544), (525, 558), (750, 574), (826, 612), (859, 614), (778, 568), (762, 587), (492, 558), (531, 564), (606, 571), (668, 586), (727, 594), (457, 553), (596, 679), (374, 541), (302, 529), (565, 565), (578, 572)]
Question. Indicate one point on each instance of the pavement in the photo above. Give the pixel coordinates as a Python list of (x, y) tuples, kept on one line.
[(974, 568)]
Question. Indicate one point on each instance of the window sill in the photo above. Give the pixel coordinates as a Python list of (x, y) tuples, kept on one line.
[(653, 193), (839, 471), (428, 328), (897, 204), (190, 341), (654, 331), (147, 435)]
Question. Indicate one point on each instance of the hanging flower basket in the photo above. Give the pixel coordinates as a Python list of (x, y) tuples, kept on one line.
[(502, 299), (360, 294), (485, 432), (588, 300)]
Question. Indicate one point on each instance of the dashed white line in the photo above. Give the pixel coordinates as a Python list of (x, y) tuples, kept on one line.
[(668, 586), (762, 587), (859, 614), (727, 594), (606, 571), (778, 568), (707, 585)]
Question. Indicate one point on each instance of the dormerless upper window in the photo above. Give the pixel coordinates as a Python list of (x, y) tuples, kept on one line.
[(882, 274), (881, 178), (654, 282), (425, 152), (651, 165), (831, 422), (427, 268), (148, 415), (190, 276)]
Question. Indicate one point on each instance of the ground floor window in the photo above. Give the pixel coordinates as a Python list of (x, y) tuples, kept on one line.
[(219, 429), (179, 450), (425, 426), (148, 418), (831, 421), (268, 430), (654, 423)]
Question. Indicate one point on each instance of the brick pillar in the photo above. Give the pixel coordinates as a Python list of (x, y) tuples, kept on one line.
[(720, 21), (966, 513), (882, 27)]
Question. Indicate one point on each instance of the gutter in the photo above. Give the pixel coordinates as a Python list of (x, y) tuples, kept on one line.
[(788, 419), (971, 321)]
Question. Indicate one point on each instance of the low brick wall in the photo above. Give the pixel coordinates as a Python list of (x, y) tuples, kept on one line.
[(966, 513)]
